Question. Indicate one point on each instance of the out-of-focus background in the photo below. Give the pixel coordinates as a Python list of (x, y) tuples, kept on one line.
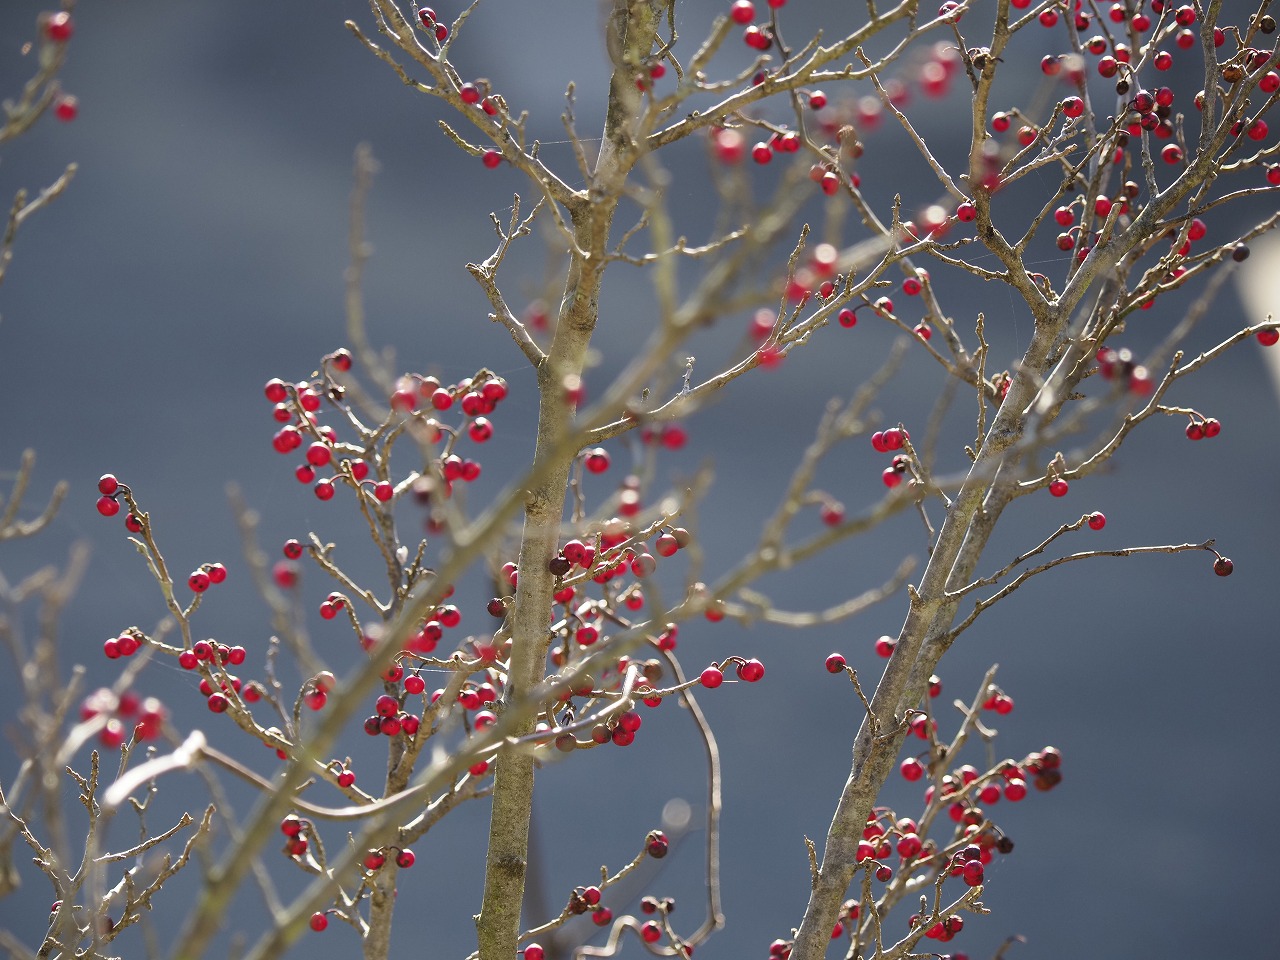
[(200, 251)]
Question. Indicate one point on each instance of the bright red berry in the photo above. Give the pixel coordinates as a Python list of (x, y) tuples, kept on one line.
[(59, 26), (597, 460), (66, 108), (750, 671), (911, 769)]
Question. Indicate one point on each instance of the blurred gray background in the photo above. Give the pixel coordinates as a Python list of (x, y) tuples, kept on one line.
[(201, 251)]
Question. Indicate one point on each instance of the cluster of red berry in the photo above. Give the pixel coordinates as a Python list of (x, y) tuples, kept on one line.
[(123, 715)]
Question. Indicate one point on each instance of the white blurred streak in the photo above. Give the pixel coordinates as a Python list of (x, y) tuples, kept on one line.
[(1259, 278)]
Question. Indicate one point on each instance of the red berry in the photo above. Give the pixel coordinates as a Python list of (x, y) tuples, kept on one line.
[(324, 489), (1097, 521), (756, 38), (318, 454), (742, 12), (66, 107), (973, 873), (58, 27), (533, 952), (198, 581), (911, 769), (318, 922), (597, 460), (284, 574), (711, 677), (832, 514), (1269, 338), (404, 399), (108, 506), (835, 663), (1223, 567), (1058, 487), (750, 671)]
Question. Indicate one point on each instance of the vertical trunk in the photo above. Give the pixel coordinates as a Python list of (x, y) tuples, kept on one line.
[(630, 35), (498, 924), (952, 562)]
